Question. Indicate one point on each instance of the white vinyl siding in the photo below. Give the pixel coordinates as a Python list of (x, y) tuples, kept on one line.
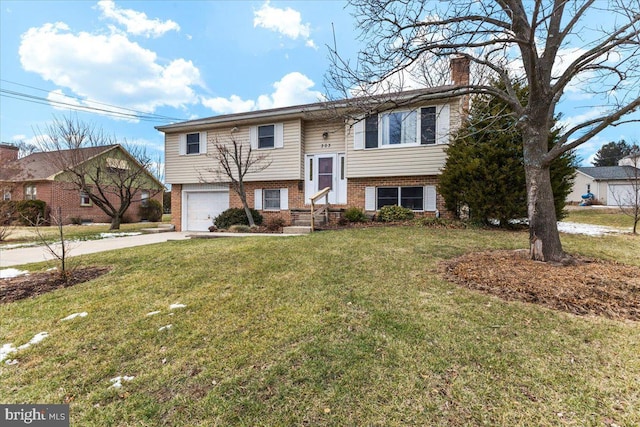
[(400, 160), (286, 162)]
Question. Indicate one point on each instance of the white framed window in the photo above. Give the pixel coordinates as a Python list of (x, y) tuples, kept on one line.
[(267, 137), (144, 198), (30, 192), (84, 199), (6, 195), (271, 199), (192, 144), (417, 198), (402, 128)]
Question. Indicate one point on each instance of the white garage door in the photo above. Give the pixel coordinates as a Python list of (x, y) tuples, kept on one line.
[(203, 207), (620, 195)]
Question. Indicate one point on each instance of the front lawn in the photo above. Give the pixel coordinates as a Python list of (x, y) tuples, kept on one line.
[(337, 328), (598, 215)]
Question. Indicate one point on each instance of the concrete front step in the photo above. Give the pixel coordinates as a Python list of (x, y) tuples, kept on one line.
[(296, 229), (161, 228)]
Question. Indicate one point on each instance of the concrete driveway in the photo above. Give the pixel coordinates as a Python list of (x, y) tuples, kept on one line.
[(26, 255)]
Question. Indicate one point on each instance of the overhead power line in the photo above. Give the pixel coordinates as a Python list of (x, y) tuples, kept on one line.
[(109, 110)]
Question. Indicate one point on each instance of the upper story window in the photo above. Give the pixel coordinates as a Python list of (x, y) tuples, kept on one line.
[(30, 192), (422, 126), (193, 143), (265, 137)]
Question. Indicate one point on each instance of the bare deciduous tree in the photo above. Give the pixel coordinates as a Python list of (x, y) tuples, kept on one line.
[(112, 182), (233, 161), (546, 45), (58, 250)]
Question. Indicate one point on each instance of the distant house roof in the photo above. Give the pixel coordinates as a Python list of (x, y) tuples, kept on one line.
[(608, 173), (39, 166)]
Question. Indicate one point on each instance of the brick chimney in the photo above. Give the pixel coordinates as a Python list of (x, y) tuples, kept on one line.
[(459, 70), (8, 153)]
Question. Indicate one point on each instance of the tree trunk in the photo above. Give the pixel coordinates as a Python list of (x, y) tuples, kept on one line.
[(247, 211), (115, 222), (544, 239)]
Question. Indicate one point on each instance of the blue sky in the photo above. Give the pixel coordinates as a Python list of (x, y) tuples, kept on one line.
[(175, 59)]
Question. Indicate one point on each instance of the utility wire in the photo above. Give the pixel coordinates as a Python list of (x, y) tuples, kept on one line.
[(135, 114)]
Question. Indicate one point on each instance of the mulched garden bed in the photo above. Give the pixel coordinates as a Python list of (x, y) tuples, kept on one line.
[(587, 287), (34, 284)]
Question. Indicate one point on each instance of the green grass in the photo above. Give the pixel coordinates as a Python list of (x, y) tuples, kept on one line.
[(336, 328), (71, 232), (599, 216)]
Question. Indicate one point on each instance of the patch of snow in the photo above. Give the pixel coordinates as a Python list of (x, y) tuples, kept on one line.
[(6, 350), (74, 315), (11, 362), (164, 328), (35, 340), (9, 273), (112, 235), (177, 305), (587, 229), (52, 269), (117, 381), (153, 313)]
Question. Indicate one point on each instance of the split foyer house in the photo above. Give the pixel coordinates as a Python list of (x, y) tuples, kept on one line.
[(39, 176), (389, 153)]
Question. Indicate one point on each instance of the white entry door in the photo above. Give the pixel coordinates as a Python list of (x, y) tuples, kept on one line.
[(326, 170)]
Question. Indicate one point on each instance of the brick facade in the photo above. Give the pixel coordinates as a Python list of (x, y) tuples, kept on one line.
[(356, 189), (176, 206), (59, 194), (355, 196)]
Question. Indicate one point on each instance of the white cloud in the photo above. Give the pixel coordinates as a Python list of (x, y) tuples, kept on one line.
[(136, 23), (293, 89), (287, 22), (107, 68), (233, 104)]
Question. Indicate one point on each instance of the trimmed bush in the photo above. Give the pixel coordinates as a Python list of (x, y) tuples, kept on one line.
[(240, 228), (355, 214), (394, 213), (275, 224), (31, 212), (233, 216), (152, 212)]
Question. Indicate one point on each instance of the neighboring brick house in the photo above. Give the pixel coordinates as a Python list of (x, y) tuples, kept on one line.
[(36, 177), (392, 155)]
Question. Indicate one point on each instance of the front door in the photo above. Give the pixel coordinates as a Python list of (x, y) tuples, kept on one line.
[(326, 170)]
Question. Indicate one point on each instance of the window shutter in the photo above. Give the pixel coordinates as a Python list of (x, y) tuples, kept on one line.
[(284, 199), (257, 199), (358, 134), (370, 198), (253, 137), (430, 198), (203, 143), (442, 125), (278, 130), (182, 149)]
